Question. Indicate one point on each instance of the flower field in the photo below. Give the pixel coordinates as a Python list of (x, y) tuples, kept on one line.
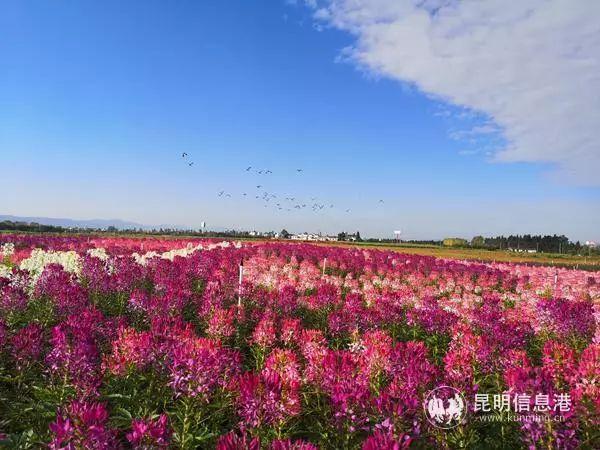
[(110, 343)]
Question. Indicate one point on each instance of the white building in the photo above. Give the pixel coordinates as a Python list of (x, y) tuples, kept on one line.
[(312, 237)]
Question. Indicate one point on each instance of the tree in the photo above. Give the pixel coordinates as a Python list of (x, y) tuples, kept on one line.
[(358, 238), (284, 234), (478, 241), (342, 236)]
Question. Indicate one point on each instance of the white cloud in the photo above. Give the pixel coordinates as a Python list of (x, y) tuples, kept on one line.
[(531, 66)]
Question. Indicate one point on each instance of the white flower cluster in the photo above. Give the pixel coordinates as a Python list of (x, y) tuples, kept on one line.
[(70, 261), (99, 253), (184, 252), (143, 259), (170, 255), (6, 250), (5, 271), (225, 244), (102, 255)]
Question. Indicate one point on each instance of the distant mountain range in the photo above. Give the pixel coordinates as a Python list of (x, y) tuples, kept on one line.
[(90, 223)]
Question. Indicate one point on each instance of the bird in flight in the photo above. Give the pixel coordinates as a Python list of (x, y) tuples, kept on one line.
[(347, 210), (191, 163), (258, 186), (244, 194), (298, 170), (268, 171), (184, 154), (260, 172), (221, 193), (381, 201), (248, 169)]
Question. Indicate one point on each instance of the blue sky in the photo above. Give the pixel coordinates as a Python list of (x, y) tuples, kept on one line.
[(99, 99)]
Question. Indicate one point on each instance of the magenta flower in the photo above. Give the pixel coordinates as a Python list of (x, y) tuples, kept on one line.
[(559, 363), (290, 331), (27, 345), (327, 295), (222, 323), (265, 399), (12, 298), (3, 334), (285, 363), (525, 379), (82, 425), (586, 381), (411, 375), (288, 444), (131, 350), (374, 356), (234, 441), (74, 356), (386, 441), (198, 366), (314, 349), (149, 433), (62, 287), (348, 390), (264, 334), (287, 300), (431, 317), (567, 318)]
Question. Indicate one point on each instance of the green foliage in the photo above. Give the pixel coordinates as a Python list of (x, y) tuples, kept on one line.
[(27, 407), (20, 441), (137, 394), (39, 310), (197, 424), (113, 304), (313, 318), (437, 343)]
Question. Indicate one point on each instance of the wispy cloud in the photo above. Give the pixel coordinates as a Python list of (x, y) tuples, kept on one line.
[(531, 66)]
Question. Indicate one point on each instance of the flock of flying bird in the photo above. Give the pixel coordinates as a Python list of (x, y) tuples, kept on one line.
[(287, 203)]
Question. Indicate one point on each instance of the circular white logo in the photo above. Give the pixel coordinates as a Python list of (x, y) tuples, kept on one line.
[(445, 407)]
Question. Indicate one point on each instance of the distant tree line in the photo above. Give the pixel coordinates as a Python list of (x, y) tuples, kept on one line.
[(528, 242), (8, 225), (34, 227)]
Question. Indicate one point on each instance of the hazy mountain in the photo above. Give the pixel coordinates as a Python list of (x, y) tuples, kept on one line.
[(88, 223)]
